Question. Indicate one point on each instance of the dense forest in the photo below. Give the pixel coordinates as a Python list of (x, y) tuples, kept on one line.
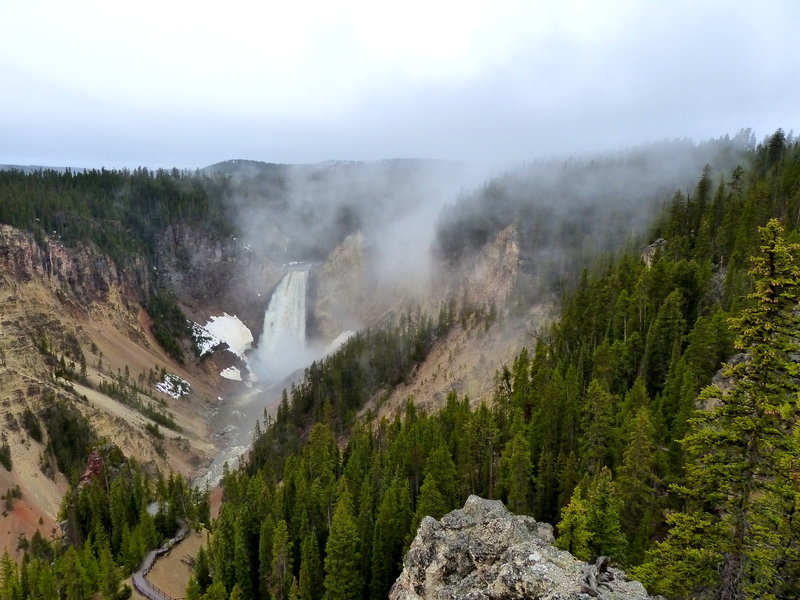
[(122, 212), (596, 429), (608, 427)]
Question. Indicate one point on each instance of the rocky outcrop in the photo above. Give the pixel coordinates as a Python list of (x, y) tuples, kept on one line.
[(649, 252), (484, 552), (492, 276), (81, 275)]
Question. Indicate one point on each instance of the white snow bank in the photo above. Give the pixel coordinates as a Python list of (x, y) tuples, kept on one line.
[(232, 373), (229, 329), (173, 386)]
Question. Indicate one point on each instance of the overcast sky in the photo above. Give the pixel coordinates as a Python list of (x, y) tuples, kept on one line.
[(189, 83)]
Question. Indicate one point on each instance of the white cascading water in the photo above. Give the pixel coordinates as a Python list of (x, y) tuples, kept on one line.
[(285, 318), (282, 345), (281, 350)]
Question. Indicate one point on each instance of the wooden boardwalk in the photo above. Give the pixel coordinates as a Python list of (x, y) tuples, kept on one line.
[(139, 578)]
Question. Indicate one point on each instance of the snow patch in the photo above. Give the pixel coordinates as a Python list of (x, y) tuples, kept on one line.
[(173, 386), (205, 340), (232, 373), (229, 329)]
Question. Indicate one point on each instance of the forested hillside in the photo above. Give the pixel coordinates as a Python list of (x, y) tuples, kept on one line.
[(595, 429), (109, 524), (122, 212)]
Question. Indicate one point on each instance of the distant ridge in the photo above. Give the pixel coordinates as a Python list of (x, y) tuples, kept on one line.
[(40, 168)]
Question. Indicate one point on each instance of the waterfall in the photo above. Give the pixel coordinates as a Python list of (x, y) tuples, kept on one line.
[(281, 350), (282, 345), (285, 319)]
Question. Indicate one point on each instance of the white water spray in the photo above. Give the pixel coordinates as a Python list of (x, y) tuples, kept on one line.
[(285, 318), (282, 346)]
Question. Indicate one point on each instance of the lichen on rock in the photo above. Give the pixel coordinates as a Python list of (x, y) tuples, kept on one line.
[(484, 552)]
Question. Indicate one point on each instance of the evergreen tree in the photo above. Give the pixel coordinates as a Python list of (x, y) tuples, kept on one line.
[(741, 476), (598, 428), (236, 593), (516, 473), (664, 339), (430, 503), (216, 591), (392, 523), (202, 574), (603, 518), (310, 582), (265, 537), (193, 591), (241, 555), (108, 572), (342, 573), (638, 480), (573, 529), (280, 578)]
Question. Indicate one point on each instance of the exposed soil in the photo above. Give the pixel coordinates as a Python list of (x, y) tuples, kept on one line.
[(172, 571), (45, 315)]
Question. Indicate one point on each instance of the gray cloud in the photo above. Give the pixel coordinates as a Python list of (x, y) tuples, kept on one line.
[(510, 82)]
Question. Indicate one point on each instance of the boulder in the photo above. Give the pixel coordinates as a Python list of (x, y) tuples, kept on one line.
[(484, 552)]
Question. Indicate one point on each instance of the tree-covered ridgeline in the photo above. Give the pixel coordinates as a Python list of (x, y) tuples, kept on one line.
[(737, 535), (122, 212), (597, 430)]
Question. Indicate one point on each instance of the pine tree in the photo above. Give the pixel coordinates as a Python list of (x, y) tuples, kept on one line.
[(440, 464), (737, 538), (9, 581), (392, 522), (515, 480), (310, 582), (281, 572), (546, 501), (342, 573), (193, 591), (236, 593), (603, 518), (223, 549), (664, 339), (265, 555), (573, 529), (598, 429), (430, 503), (216, 591), (201, 569), (108, 572), (638, 480), (241, 555)]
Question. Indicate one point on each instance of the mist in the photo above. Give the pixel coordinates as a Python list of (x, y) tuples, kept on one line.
[(571, 211), (412, 229), (417, 224)]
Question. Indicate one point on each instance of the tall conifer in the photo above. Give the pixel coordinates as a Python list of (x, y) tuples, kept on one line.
[(736, 540)]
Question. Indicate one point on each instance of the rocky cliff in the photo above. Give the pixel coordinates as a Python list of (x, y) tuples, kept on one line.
[(78, 275), (214, 274), (483, 552), (71, 324)]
